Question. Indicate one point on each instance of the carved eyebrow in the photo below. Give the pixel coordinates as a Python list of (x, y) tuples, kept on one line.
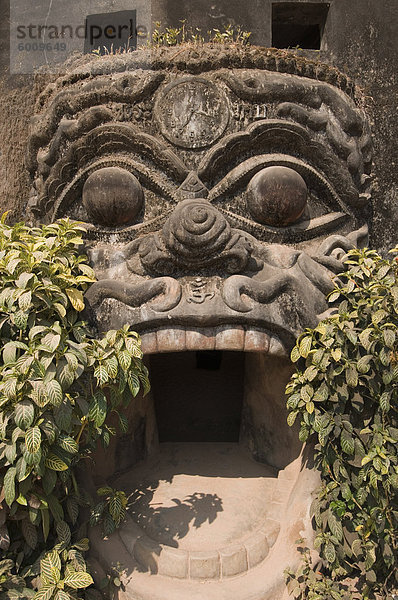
[(128, 141), (92, 93), (277, 87), (245, 171), (265, 137)]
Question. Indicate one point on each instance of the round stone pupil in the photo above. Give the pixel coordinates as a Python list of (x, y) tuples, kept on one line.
[(112, 196), (277, 196)]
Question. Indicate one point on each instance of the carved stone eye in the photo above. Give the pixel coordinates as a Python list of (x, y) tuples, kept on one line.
[(277, 196), (112, 196)]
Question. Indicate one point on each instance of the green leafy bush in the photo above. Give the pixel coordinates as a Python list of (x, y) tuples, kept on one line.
[(345, 394), (110, 511), (58, 384)]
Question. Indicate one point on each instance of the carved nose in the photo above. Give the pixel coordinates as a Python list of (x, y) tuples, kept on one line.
[(196, 231)]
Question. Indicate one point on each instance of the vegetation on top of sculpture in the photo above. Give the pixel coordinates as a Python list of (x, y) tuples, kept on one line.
[(345, 393), (174, 36), (58, 385)]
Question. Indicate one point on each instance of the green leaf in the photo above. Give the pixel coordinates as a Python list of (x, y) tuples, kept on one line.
[(378, 316), (45, 521), (134, 383), (45, 592), (24, 300), (61, 310), (365, 338), (105, 491), (363, 363), (98, 409), (10, 452), (63, 532), (50, 567), (76, 298), (63, 415), (29, 532), (115, 508), (295, 354), (55, 463), (356, 547), (62, 595), (101, 374), (21, 319), (389, 337), (124, 359), (385, 401), (9, 353), (9, 388), (33, 439), (310, 407), (82, 545), (9, 485), (305, 346), (336, 354), (55, 508), (335, 526), (78, 561), (351, 376), (347, 442), (72, 507), (334, 296), (112, 366), (68, 444), (330, 553), (66, 377), (123, 423), (54, 392), (78, 580)]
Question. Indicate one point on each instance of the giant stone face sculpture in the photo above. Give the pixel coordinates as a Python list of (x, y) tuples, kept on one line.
[(219, 194)]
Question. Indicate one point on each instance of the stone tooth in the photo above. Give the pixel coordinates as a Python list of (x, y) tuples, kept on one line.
[(256, 341), (230, 338), (276, 348), (171, 340), (149, 343), (200, 339)]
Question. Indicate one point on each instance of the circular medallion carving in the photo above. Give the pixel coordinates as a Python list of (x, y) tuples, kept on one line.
[(192, 113)]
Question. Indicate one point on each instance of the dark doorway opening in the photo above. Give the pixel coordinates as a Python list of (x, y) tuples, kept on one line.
[(298, 24), (198, 395)]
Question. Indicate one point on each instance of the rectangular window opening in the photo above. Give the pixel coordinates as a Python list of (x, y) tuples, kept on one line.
[(298, 24), (111, 32)]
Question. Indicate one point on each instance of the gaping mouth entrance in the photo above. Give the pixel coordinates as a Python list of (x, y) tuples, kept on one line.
[(198, 395), (210, 474)]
